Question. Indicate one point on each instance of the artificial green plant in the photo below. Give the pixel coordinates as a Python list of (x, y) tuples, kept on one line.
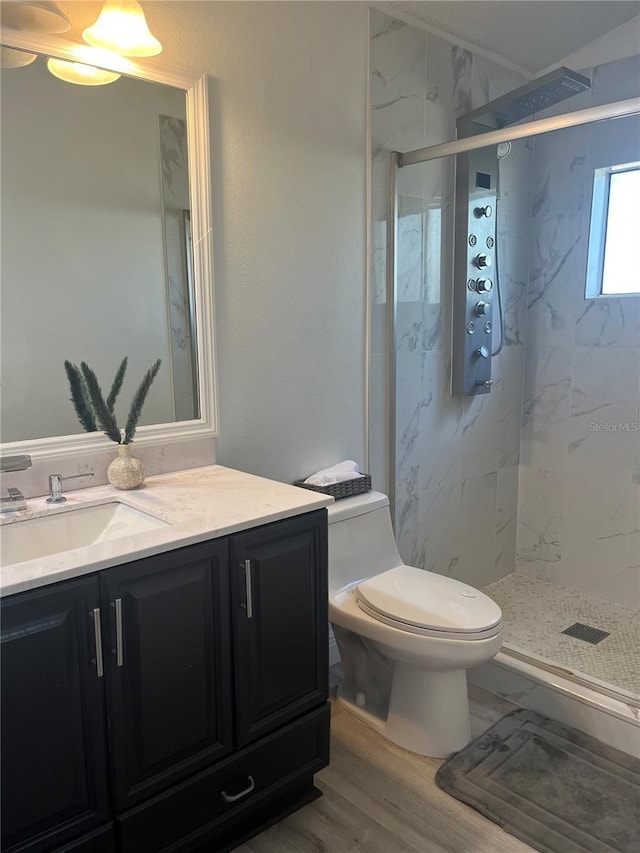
[(94, 412)]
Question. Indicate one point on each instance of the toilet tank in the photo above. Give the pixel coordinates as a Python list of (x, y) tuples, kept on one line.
[(361, 540)]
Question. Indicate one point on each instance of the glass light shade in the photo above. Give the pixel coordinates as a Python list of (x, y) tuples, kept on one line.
[(80, 74), (122, 27), (35, 17), (10, 58)]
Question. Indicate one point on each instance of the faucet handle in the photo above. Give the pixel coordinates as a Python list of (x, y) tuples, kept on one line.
[(14, 501), (55, 486)]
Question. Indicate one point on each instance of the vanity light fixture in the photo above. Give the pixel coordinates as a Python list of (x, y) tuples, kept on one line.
[(10, 58), (35, 17), (80, 74), (122, 27)]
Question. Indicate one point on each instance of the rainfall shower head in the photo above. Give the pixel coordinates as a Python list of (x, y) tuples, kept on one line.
[(528, 99)]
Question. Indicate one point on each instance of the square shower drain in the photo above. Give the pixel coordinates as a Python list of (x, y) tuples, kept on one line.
[(585, 632)]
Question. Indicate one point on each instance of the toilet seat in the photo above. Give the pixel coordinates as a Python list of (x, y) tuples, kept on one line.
[(421, 602)]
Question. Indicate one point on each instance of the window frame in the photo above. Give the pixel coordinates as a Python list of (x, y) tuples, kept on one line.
[(598, 224)]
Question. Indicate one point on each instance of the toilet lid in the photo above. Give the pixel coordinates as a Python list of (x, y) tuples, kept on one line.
[(428, 600)]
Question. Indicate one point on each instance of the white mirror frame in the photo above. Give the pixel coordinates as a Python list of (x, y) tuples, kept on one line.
[(196, 88)]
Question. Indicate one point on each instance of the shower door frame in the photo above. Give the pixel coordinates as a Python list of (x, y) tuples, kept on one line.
[(399, 160)]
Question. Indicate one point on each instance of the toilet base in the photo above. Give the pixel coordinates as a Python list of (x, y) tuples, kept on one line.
[(428, 711)]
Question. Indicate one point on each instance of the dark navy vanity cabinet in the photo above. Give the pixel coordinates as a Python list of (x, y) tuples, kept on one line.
[(54, 784), (174, 703)]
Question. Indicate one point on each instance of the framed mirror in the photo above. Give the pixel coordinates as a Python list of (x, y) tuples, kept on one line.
[(107, 248)]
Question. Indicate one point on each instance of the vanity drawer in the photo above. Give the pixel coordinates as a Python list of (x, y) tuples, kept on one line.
[(204, 804)]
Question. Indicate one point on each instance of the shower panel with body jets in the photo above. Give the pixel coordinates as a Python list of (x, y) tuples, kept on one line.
[(476, 273)]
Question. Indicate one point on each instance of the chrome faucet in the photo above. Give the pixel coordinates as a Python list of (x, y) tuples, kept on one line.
[(14, 500), (55, 487)]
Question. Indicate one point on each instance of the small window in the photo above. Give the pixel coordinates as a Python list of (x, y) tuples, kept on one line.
[(614, 231)]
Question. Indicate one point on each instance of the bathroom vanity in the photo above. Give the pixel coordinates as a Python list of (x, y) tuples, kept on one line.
[(167, 690)]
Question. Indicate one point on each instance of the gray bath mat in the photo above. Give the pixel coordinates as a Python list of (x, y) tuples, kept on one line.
[(555, 788)]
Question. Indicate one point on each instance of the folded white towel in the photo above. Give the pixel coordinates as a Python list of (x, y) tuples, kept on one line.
[(347, 470)]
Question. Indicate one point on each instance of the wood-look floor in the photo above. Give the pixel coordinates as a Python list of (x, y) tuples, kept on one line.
[(379, 798)]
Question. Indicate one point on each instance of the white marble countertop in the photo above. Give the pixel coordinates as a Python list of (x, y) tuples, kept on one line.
[(197, 504)]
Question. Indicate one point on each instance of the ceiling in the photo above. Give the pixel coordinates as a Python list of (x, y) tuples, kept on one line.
[(532, 34)]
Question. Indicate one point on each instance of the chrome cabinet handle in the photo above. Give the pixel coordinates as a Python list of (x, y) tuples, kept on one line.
[(97, 634), (247, 588), (119, 635), (233, 798)]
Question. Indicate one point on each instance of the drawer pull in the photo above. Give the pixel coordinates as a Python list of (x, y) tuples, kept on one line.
[(233, 798)]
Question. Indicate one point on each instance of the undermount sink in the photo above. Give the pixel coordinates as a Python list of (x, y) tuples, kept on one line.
[(76, 527)]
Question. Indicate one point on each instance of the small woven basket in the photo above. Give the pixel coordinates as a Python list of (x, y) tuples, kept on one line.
[(345, 489)]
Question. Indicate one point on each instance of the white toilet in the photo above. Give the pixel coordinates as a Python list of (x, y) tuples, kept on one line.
[(406, 636)]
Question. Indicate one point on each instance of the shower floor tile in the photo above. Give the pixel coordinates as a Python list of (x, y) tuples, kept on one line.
[(536, 612)]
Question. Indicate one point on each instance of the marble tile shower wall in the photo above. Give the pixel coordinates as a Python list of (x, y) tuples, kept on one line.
[(579, 497), (457, 459)]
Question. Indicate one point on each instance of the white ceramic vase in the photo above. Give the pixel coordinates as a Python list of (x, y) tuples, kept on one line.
[(125, 472)]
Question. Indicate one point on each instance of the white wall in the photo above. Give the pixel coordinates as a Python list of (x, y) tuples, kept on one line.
[(288, 122), (289, 189)]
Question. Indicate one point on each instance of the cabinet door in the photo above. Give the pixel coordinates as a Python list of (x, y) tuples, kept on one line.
[(280, 622), (168, 677), (99, 841), (54, 768)]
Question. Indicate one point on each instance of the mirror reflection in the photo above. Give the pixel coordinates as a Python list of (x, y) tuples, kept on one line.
[(96, 247)]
